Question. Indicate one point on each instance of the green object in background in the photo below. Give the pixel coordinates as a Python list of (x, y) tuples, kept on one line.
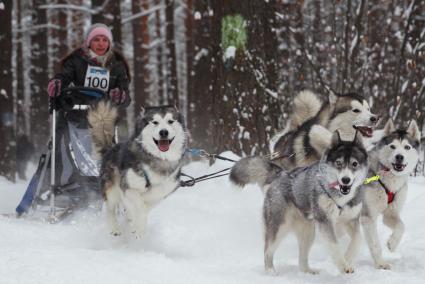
[(233, 32)]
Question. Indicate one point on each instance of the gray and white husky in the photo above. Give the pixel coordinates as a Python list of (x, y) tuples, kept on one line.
[(141, 172), (313, 122), (325, 193), (393, 159)]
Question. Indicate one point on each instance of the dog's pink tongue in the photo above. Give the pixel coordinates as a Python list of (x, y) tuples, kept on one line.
[(163, 145), (369, 132)]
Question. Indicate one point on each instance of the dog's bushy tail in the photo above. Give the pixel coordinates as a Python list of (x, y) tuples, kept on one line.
[(306, 106), (102, 119), (253, 170)]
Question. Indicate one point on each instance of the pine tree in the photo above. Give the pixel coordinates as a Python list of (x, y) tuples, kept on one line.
[(7, 138)]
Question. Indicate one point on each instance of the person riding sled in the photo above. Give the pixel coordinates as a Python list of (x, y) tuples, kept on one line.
[(92, 72), (96, 65)]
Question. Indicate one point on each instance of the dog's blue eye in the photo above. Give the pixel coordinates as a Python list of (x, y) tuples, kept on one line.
[(338, 164), (356, 110), (171, 121), (155, 122), (392, 147), (407, 147), (355, 164)]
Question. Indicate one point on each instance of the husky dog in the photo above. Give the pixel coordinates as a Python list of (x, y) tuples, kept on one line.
[(324, 193), (312, 125), (392, 159), (141, 172)]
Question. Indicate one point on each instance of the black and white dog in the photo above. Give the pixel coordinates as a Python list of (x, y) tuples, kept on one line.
[(313, 122), (143, 171), (393, 159), (325, 193)]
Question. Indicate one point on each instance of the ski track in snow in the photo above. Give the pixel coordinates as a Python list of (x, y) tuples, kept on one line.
[(210, 233)]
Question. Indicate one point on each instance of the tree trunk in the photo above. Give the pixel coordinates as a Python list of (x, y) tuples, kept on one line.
[(39, 77), (347, 34), (203, 34), (245, 108), (189, 24), (297, 23), (171, 53), (59, 37), (7, 137), (21, 127), (116, 25), (356, 64), (76, 25), (162, 88), (141, 43), (109, 15)]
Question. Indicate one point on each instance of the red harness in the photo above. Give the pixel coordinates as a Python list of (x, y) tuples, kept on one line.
[(390, 194)]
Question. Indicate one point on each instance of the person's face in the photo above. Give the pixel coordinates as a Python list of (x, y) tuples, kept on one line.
[(99, 44)]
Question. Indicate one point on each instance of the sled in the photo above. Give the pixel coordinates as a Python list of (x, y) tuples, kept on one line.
[(67, 177)]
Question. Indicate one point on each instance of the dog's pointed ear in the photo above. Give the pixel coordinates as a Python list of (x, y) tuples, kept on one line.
[(139, 121), (389, 127), (358, 139), (332, 98), (336, 138), (413, 130)]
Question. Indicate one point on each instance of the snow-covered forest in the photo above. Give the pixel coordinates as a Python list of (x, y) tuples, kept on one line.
[(232, 67)]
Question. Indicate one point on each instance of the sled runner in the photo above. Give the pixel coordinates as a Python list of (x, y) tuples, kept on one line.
[(66, 178)]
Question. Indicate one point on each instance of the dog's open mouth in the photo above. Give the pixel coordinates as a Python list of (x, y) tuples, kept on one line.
[(366, 131), (163, 144), (344, 189), (399, 167)]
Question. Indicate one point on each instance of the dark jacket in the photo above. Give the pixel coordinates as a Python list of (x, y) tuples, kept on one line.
[(74, 67)]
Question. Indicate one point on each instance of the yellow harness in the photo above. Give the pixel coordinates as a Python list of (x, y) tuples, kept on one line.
[(371, 179)]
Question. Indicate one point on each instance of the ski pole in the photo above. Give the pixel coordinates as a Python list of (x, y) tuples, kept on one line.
[(53, 157)]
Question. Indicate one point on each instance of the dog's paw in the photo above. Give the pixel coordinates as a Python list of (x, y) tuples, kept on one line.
[(310, 271), (138, 235), (383, 265), (271, 271), (392, 243), (347, 269), (116, 233)]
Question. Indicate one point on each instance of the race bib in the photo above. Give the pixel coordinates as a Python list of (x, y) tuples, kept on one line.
[(97, 77)]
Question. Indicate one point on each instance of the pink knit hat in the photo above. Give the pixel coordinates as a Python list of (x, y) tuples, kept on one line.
[(96, 30)]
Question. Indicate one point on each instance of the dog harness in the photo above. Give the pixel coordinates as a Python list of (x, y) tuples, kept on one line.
[(148, 182), (333, 186), (390, 194), (124, 184)]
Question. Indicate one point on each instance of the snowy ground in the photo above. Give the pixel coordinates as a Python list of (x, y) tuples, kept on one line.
[(210, 233)]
